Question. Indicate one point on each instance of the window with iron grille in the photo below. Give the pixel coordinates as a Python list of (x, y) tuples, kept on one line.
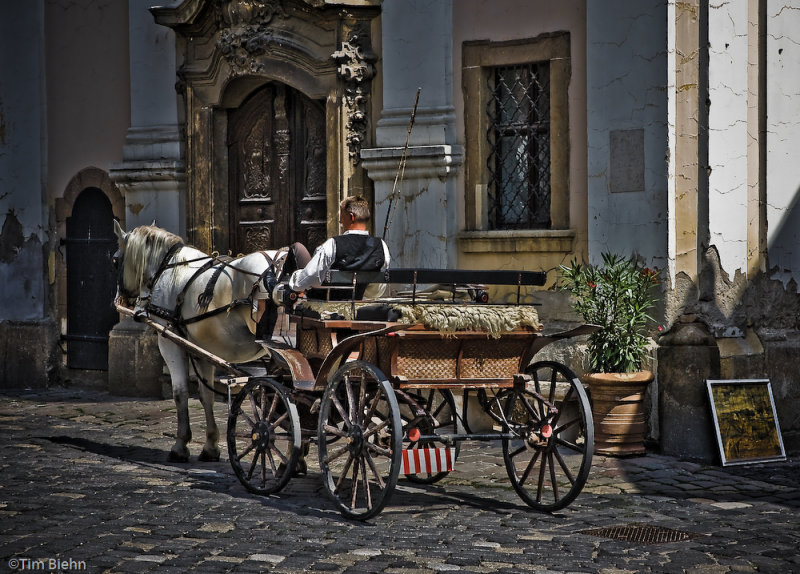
[(517, 163), (518, 137)]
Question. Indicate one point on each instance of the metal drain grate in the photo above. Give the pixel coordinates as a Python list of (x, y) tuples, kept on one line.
[(641, 533)]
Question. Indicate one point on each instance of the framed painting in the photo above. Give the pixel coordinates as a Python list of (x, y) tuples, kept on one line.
[(745, 421)]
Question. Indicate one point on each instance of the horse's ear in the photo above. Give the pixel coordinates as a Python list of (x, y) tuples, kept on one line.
[(119, 232)]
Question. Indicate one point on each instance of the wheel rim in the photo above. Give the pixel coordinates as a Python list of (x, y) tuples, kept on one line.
[(549, 461), (263, 436), (439, 418), (360, 469)]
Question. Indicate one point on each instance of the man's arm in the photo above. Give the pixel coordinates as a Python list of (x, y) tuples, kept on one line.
[(313, 274)]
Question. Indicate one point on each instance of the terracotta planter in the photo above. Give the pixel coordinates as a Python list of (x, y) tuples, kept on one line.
[(618, 411)]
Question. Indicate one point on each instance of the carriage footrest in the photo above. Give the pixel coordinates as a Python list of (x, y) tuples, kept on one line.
[(428, 460)]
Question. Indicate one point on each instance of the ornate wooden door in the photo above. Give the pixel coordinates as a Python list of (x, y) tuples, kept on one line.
[(276, 155)]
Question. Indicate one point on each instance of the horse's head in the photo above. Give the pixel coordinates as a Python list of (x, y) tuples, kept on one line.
[(141, 252)]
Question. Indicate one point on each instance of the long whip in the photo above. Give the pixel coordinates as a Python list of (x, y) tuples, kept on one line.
[(401, 170)]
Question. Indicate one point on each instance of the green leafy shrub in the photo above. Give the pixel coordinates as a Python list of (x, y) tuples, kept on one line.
[(617, 297)]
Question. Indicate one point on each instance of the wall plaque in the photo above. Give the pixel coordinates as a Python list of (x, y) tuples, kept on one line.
[(746, 425)]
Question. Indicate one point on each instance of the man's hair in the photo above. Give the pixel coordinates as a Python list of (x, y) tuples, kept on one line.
[(357, 206)]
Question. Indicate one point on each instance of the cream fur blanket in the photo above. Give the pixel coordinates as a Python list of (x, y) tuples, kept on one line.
[(494, 320)]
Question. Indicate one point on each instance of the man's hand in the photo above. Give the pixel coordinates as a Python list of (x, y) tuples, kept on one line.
[(282, 295)]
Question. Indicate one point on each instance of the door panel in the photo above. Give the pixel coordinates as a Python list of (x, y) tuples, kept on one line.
[(277, 168), (311, 212)]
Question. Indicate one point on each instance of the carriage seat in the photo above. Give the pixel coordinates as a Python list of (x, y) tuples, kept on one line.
[(447, 318), (370, 312)]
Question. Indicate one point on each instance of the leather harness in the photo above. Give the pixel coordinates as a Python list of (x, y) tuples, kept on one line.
[(204, 299)]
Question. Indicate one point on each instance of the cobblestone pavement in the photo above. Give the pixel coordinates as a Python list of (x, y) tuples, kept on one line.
[(85, 487)]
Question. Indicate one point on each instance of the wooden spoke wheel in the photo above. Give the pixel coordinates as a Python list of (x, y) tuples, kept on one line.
[(431, 412), (360, 470), (263, 436), (549, 461)]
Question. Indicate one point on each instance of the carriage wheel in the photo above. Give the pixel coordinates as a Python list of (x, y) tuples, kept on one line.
[(549, 461), (360, 472), (439, 417), (263, 436)]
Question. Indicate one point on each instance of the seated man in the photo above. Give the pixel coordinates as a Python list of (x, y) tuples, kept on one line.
[(354, 250)]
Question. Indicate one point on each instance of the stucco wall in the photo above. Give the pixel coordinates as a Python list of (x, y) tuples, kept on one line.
[(64, 94), (783, 140), (23, 210), (88, 87), (727, 133), (627, 127)]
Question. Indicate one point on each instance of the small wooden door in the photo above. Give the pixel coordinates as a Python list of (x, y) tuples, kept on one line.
[(277, 170), (91, 280)]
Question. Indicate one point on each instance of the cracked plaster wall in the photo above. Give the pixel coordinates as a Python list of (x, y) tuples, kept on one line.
[(727, 132), (626, 78), (728, 136), (783, 140), (60, 112), (23, 209)]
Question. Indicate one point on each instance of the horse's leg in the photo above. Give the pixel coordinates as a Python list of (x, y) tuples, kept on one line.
[(210, 450), (175, 359)]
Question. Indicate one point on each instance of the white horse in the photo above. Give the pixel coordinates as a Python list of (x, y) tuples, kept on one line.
[(211, 302)]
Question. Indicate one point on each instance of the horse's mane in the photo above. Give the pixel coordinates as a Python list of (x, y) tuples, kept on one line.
[(145, 248)]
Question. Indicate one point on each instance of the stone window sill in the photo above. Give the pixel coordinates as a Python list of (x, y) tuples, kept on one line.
[(529, 241)]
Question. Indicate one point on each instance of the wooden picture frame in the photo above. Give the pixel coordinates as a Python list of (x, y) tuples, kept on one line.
[(745, 421)]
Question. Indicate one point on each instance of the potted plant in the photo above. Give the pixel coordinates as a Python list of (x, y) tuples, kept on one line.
[(617, 297)]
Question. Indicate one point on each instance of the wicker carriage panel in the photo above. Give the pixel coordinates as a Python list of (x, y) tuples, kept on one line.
[(385, 346), (427, 359), (493, 358), (307, 341), (369, 351), (314, 341)]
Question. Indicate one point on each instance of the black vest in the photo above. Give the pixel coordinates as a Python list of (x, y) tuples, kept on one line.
[(354, 252), (358, 253)]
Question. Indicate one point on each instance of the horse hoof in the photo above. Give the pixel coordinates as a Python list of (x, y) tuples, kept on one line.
[(206, 457), (175, 457)]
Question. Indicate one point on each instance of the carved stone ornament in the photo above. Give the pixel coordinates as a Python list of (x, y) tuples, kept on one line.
[(245, 31), (356, 68)]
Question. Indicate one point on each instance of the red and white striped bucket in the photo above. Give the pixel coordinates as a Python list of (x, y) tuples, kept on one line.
[(428, 460)]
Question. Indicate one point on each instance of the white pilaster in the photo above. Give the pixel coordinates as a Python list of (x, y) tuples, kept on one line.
[(152, 174), (417, 44)]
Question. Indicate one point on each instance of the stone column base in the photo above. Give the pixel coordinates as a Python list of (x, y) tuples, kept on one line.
[(28, 354), (687, 357), (134, 361)]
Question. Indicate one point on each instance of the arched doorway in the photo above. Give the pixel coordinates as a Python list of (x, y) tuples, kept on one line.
[(91, 282), (277, 170)]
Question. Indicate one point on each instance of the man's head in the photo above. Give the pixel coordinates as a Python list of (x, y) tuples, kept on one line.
[(354, 212)]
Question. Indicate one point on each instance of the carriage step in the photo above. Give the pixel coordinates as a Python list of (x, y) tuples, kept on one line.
[(428, 460)]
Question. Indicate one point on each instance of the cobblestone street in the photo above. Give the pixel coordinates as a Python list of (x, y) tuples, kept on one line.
[(86, 487)]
